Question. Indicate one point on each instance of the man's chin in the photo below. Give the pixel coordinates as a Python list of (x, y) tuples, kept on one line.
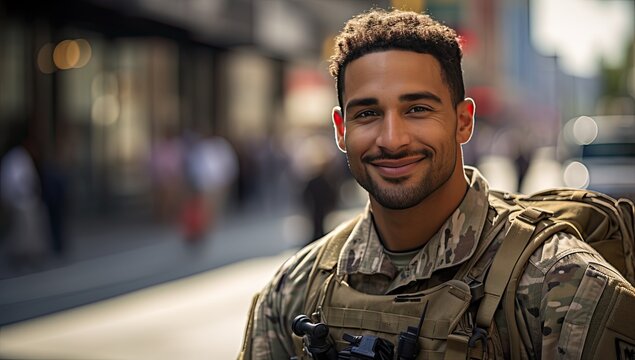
[(395, 203), (395, 180), (396, 196)]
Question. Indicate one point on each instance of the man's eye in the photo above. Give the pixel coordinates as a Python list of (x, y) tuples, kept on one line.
[(418, 108), (366, 113)]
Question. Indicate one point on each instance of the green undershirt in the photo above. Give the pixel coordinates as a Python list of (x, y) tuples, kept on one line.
[(401, 259)]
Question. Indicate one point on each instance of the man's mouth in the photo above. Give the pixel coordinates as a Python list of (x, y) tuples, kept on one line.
[(396, 167)]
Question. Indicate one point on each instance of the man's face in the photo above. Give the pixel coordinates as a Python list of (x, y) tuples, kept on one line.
[(400, 127)]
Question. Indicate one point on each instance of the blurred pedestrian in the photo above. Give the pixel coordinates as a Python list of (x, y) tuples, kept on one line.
[(316, 165), (54, 195), (212, 168), (21, 194), (55, 180), (320, 199), (167, 170)]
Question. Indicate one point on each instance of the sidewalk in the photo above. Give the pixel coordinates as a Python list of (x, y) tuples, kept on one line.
[(199, 317), (136, 257)]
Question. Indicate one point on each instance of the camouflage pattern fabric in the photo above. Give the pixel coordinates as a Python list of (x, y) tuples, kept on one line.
[(561, 285)]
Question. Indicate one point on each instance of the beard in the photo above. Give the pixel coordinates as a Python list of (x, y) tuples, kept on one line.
[(398, 194)]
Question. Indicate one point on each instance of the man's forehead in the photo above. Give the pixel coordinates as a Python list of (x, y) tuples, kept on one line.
[(390, 66)]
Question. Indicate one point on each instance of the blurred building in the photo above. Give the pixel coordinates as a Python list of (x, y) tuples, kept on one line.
[(100, 81)]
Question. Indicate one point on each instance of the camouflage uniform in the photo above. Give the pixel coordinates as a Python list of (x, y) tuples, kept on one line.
[(556, 294)]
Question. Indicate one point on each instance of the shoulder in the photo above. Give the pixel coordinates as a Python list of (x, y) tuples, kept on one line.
[(578, 286), (292, 275), (287, 289), (565, 249), (277, 303), (556, 270), (565, 259), (561, 269), (560, 291)]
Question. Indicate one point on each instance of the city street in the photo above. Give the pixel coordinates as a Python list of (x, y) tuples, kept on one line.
[(153, 297), (199, 317)]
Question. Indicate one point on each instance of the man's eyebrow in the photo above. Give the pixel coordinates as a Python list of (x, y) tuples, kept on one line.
[(361, 102), (425, 95)]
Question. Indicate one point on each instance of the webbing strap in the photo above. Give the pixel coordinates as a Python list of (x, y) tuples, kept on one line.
[(386, 322), (457, 347), (329, 254), (516, 240), (431, 355), (326, 261)]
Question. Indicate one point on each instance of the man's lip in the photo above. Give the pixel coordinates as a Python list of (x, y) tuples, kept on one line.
[(397, 163), (396, 168)]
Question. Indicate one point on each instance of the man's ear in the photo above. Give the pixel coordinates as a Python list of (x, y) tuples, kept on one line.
[(340, 129), (465, 111)]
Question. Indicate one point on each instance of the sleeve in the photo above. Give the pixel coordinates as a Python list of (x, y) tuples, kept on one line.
[(558, 295), (268, 332)]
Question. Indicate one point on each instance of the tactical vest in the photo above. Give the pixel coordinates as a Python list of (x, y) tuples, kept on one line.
[(487, 282), (435, 312)]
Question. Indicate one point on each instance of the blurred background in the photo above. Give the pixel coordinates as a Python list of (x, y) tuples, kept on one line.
[(159, 159)]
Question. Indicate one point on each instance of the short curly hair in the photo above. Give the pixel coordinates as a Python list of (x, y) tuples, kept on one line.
[(380, 30)]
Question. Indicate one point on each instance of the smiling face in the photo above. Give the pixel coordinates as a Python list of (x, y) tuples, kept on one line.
[(399, 128)]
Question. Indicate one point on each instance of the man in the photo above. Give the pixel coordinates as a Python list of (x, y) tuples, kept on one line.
[(402, 119)]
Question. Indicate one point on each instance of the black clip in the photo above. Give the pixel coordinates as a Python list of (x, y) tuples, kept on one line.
[(478, 334), (477, 290)]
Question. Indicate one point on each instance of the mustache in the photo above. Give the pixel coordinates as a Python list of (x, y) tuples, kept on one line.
[(385, 155)]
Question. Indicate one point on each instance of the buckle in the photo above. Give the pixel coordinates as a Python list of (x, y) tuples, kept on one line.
[(477, 290), (534, 215)]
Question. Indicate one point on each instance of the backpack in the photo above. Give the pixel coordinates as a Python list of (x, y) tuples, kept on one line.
[(604, 223)]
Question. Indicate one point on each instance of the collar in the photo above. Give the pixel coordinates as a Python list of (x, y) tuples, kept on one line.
[(453, 244)]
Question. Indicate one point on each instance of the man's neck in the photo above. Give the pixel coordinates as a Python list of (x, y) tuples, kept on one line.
[(402, 230)]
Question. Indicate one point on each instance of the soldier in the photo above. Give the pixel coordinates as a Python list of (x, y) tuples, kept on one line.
[(430, 230)]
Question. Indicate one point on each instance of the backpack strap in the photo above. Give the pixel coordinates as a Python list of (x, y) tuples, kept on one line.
[(509, 300), (508, 265), (516, 239), (461, 346), (326, 260)]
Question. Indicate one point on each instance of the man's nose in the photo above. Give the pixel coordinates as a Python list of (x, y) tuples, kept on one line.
[(394, 133)]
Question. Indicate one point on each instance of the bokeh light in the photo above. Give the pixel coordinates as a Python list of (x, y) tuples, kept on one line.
[(105, 110), (69, 54), (85, 53), (576, 175), (66, 54), (45, 59), (585, 130)]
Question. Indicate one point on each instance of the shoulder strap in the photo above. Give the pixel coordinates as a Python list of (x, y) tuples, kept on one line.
[(508, 264), (324, 264), (326, 260)]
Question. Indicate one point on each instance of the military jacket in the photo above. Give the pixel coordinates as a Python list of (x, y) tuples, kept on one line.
[(554, 287)]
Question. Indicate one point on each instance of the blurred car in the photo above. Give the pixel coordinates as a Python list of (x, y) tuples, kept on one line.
[(599, 154)]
